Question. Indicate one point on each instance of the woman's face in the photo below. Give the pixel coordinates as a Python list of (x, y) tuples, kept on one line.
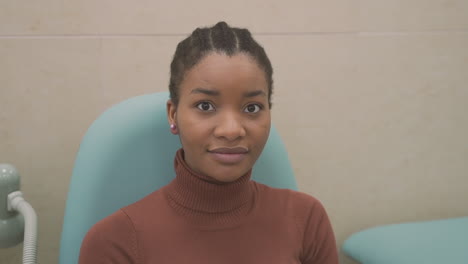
[(223, 118)]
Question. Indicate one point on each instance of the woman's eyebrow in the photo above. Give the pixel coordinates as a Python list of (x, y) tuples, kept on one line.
[(255, 93), (217, 93), (205, 91)]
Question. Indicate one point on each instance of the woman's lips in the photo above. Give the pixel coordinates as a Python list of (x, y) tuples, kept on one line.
[(228, 158), (229, 155)]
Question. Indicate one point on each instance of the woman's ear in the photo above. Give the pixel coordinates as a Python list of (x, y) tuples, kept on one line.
[(171, 116)]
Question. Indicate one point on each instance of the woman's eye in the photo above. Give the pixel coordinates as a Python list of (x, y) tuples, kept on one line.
[(205, 106), (252, 108)]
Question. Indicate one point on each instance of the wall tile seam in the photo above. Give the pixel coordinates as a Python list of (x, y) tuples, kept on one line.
[(356, 33)]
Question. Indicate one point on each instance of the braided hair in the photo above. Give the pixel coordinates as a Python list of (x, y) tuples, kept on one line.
[(220, 38)]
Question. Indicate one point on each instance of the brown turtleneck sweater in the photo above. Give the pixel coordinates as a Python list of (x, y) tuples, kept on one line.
[(196, 220)]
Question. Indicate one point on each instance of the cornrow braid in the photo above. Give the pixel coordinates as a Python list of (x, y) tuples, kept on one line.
[(220, 38)]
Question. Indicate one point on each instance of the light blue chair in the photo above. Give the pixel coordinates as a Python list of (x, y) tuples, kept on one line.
[(442, 241), (127, 153)]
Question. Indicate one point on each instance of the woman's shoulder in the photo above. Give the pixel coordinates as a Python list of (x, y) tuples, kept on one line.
[(122, 219), (289, 201), (118, 230), (310, 218), (113, 237), (148, 203), (118, 220)]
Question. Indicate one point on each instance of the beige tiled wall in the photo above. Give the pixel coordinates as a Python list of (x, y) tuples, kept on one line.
[(370, 98)]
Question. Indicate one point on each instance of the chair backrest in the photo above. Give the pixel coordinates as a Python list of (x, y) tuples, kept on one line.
[(127, 153)]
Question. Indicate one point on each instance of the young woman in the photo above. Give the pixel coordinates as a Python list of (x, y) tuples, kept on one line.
[(219, 106)]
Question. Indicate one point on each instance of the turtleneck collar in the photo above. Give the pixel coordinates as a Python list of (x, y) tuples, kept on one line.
[(194, 194)]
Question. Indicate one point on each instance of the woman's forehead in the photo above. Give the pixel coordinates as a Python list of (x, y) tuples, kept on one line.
[(219, 62), (224, 74)]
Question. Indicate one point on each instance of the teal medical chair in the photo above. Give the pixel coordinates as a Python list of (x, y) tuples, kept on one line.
[(443, 241), (127, 153)]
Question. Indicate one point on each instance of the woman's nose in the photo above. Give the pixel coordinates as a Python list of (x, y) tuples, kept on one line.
[(230, 127)]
